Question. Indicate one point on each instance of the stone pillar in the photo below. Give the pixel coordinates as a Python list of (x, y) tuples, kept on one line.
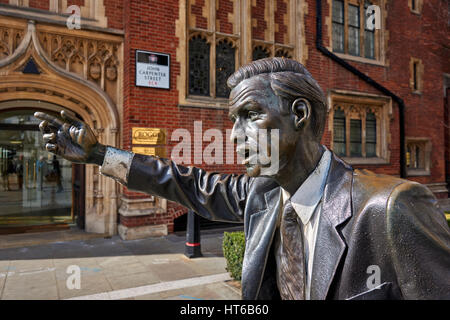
[(139, 218)]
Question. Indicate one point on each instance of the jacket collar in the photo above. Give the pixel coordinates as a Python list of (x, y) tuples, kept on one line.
[(330, 245)]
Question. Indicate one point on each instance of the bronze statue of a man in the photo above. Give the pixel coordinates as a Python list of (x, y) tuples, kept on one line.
[(315, 228)]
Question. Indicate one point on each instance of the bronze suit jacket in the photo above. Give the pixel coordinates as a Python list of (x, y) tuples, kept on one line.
[(368, 222)]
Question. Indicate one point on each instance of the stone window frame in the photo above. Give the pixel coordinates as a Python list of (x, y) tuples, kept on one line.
[(213, 37), (424, 144), (242, 38), (381, 36), (355, 105), (415, 6), (416, 71)]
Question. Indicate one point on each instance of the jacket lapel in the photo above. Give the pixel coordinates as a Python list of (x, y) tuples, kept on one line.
[(262, 227), (330, 246)]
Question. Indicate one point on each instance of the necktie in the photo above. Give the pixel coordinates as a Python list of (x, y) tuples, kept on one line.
[(290, 256)]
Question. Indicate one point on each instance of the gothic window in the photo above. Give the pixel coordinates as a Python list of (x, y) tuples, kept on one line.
[(339, 133), (371, 135), (283, 53), (338, 26), (225, 66), (357, 128), (222, 35), (355, 138), (351, 33), (199, 66), (213, 50), (259, 52)]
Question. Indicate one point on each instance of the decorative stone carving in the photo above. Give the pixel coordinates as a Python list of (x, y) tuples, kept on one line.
[(10, 39), (100, 56)]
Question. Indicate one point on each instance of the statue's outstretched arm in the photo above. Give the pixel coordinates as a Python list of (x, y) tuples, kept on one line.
[(212, 195)]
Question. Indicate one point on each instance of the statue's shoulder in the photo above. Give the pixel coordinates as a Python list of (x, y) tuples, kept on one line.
[(386, 190)]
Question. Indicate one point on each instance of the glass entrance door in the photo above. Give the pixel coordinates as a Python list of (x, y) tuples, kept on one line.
[(36, 186)]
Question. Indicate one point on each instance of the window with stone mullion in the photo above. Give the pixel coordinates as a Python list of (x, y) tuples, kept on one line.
[(199, 66), (225, 66), (353, 30), (338, 26)]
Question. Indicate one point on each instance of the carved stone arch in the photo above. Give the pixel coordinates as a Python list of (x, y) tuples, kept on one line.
[(55, 85)]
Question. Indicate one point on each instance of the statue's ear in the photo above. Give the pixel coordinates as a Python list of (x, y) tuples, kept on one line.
[(301, 108)]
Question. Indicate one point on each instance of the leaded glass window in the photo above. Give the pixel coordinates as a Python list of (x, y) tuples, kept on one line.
[(371, 135), (225, 66), (339, 143), (338, 26), (355, 129), (350, 34), (259, 52), (283, 53), (355, 138), (199, 66), (369, 36), (353, 30)]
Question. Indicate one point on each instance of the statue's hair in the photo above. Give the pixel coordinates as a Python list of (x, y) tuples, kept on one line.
[(290, 80)]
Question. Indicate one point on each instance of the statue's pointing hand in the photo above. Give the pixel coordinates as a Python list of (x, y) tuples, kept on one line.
[(71, 138)]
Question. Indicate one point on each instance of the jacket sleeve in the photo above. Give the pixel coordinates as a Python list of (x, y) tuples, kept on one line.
[(419, 239), (214, 196)]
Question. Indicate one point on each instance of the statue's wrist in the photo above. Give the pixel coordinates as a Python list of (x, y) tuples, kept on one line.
[(97, 154)]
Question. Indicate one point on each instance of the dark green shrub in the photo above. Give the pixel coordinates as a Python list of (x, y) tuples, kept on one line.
[(233, 246)]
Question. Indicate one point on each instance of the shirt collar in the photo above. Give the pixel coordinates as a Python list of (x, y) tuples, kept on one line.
[(308, 195)]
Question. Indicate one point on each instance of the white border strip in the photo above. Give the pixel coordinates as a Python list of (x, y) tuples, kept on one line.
[(154, 288)]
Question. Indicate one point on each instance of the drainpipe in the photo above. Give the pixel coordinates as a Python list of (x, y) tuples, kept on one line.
[(364, 77)]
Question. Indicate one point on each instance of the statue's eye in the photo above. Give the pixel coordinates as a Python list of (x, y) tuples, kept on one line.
[(252, 115)]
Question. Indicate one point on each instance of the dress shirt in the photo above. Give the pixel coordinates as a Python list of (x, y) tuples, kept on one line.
[(306, 202)]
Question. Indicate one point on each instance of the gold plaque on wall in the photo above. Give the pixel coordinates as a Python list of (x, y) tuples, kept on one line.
[(148, 136), (150, 151)]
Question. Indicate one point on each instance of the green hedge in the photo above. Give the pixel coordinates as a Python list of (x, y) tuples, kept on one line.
[(233, 246)]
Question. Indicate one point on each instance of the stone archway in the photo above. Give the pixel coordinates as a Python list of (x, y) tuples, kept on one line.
[(29, 74)]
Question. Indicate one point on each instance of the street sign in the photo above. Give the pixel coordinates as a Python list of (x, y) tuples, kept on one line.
[(152, 69)]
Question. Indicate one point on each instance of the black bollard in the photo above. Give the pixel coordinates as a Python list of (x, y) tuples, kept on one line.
[(193, 247)]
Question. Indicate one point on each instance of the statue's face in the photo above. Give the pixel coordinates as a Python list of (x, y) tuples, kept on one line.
[(255, 109)]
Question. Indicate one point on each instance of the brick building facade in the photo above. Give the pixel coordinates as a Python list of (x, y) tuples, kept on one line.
[(408, 55)]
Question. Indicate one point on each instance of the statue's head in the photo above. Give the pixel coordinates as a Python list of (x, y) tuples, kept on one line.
[(275, 93)]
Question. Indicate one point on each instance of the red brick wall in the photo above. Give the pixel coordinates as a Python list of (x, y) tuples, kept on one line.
[(224, 8), (114, 13), (149, 25), (280, 12), (79, 3), (39, 4), (197, 12), (261, 24)]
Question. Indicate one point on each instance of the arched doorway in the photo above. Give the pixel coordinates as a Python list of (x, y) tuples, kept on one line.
[(29, 73), (39, 190)]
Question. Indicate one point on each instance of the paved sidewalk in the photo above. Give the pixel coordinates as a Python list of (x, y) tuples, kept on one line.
[(115, 269)]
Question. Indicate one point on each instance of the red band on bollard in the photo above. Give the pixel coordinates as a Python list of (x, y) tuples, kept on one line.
[(192, 244)]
